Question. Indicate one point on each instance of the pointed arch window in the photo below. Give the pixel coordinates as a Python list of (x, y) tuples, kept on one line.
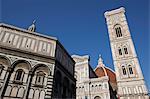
[(118, 31), (120, 51), (19, 75), (40, 78), (124, 70), (125, 50), (130, 69)]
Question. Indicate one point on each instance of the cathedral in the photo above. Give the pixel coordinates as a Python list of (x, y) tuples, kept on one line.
[(36, 66), (127, 81)]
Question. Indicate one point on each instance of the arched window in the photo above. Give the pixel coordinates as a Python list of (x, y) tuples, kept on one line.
[(118, 31), (97, 97), (120, 51), (19, 75), (124, 70), (130, 69), (125, 50), (100, 86), (40, 78)]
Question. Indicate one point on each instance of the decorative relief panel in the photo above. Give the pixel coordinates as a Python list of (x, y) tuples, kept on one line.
[(27, 42), (13, 59), (33, 63)]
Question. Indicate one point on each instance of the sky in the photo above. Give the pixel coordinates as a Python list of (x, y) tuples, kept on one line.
[(80, 25)]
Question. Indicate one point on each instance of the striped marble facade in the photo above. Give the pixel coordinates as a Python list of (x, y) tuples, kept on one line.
[(29, 63)]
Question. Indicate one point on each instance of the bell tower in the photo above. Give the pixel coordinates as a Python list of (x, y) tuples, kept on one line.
[(130, 80)]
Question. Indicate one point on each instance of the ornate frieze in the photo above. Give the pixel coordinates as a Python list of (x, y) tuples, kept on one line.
[(28, 42)]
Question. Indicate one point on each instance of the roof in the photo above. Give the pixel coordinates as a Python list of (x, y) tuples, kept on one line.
[(104, 71), (27, 31), (119, 10), (101, 71)]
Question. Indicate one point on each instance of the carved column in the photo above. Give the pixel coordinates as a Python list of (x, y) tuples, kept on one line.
[(5, 82), (28, 85)]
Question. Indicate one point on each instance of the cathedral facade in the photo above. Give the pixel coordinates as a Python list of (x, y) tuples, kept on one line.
[(99, 83), (34, 66)]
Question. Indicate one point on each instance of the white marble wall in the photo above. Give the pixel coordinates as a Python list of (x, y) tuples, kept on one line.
[(128, 84), (27, 41), (18, 90), (93, 87), (89, 88)]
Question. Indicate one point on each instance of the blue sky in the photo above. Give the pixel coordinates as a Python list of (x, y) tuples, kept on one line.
[(80, 25)]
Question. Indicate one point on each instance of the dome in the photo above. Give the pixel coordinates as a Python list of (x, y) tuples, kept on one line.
[(105, 71), (101, 70)]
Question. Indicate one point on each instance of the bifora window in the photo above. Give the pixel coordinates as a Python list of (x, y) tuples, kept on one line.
[(124, 70), (118, 31), (130, 69), (19, 75), (125, 50), (120, 51), (40, 78)]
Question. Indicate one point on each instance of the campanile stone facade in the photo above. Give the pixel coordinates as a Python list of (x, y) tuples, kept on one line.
[(130, 80)]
